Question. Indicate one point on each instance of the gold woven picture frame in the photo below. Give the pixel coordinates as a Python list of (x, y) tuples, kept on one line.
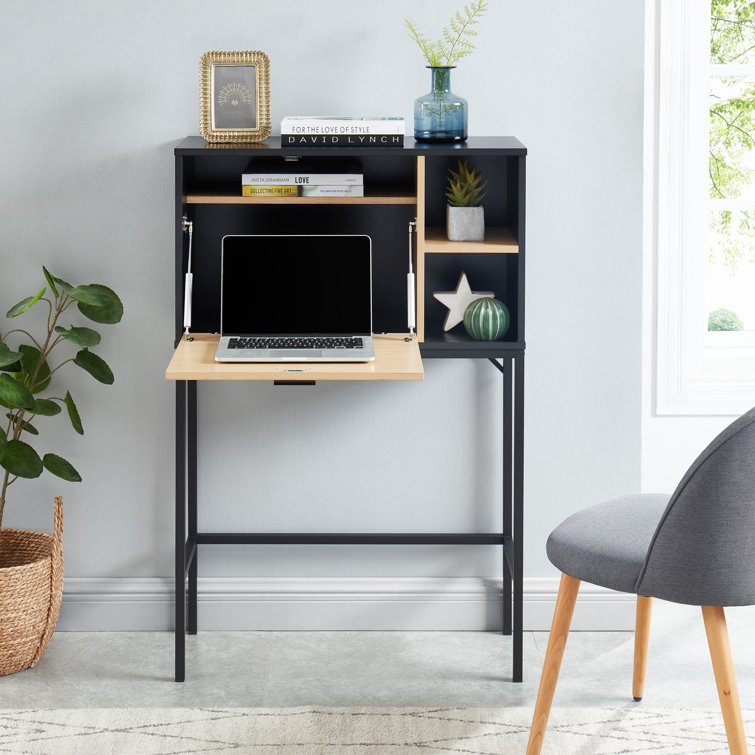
[(234, 96)]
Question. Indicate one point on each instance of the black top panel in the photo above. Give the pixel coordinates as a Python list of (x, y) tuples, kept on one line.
[(195, 145)]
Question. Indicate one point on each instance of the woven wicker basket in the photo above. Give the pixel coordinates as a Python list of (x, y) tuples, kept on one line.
[(31, 586)]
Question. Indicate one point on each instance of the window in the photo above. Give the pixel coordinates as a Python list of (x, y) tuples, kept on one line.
[(704, 103)]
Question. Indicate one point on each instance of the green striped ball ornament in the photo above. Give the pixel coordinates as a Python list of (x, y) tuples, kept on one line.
[(487, 319)]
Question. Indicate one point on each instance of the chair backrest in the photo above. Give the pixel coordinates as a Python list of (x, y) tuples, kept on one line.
[(703, 550)]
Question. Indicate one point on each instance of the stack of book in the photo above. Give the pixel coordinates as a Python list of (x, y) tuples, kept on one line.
[(341, 131), (305, 178)]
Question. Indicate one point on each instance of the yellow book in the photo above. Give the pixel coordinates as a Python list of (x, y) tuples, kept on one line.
[(269, 191)]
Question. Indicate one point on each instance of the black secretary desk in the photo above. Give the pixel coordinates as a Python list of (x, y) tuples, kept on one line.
[(403, 204)]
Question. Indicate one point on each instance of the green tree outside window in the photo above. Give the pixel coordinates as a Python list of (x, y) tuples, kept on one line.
[(732, 130)]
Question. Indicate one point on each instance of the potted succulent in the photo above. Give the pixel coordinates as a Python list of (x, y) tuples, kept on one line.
[(31, 563), (465, 216)]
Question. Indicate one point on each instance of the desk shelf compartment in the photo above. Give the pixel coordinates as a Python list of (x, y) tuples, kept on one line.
[(501, 201), (385, 224), (216, 179), (495, 264), (442, 273)]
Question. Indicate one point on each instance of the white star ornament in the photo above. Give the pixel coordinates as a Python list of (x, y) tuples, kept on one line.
[(457, 301)]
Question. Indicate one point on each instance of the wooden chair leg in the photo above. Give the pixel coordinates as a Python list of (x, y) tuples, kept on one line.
[(723, 670), (641, 638), (567, 597)]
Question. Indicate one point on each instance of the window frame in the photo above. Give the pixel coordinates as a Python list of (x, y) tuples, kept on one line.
[(690, 377)]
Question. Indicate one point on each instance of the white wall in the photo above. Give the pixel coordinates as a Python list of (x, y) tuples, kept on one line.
[(97, 94)]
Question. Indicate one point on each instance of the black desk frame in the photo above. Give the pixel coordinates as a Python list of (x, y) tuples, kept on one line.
[(506, 356), (188, 538)]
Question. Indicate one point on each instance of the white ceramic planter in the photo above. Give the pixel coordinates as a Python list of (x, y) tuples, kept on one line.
[(465, 223)]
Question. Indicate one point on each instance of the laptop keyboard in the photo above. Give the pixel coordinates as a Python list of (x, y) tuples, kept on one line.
[(313, 342)]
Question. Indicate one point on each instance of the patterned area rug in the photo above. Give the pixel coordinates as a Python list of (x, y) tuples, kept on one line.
[(369, 731)]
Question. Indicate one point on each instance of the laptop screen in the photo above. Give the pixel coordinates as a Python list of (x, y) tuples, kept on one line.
[(296, 285)]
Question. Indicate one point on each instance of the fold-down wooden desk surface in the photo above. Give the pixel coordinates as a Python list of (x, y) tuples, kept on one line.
[(395, 359)]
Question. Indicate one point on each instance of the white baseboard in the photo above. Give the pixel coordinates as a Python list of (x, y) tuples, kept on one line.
[(452, 604)]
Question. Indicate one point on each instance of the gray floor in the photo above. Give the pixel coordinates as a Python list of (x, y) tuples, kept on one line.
[(252, 669)]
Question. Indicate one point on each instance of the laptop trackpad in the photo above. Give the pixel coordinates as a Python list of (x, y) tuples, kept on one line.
[(296, 353)]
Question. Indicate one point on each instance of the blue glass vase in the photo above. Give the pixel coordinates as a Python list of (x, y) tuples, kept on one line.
[(440, 115)]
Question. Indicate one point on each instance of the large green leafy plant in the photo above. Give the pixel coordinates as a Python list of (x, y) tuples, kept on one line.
[(25, 373)]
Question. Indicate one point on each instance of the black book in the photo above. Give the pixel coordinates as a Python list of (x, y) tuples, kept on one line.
[(342, 140)]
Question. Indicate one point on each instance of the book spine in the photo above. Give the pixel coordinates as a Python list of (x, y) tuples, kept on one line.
[(302, 179), (270, 191), (324, 126), (332, 191), (342, 140)]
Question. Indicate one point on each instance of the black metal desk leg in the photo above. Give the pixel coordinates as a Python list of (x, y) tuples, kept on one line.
[(507, 490), (191, 482), (180, 545), (518, 513)]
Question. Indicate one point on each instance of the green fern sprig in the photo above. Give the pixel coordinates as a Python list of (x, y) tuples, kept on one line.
[(455, 41), (424, 42)]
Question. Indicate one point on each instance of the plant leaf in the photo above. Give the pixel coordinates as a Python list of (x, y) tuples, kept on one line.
[(3, 441), (66, 287), (73, 414), (95, 366), (60, 467), (45, 407), (24, 304), (15, 367), (80, 336), (7, 356), (109, 311), (27, 426), (21, 460), (50, 281), (29, 362), (87, 295), (14, 395)]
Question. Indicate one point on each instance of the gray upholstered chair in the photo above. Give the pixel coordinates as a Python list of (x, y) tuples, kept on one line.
[(695, 547)]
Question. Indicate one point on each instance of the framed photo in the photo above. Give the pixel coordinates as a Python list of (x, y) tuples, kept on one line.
[(234, 96)]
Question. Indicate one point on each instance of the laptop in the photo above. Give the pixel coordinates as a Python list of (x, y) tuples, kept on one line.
[(296, 298)]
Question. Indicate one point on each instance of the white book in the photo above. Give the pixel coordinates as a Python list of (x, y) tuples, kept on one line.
[(302, 179), (332, 191), (346, 124)]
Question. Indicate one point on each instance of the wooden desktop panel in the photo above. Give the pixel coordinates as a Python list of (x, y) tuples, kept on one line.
[(395, 359)]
